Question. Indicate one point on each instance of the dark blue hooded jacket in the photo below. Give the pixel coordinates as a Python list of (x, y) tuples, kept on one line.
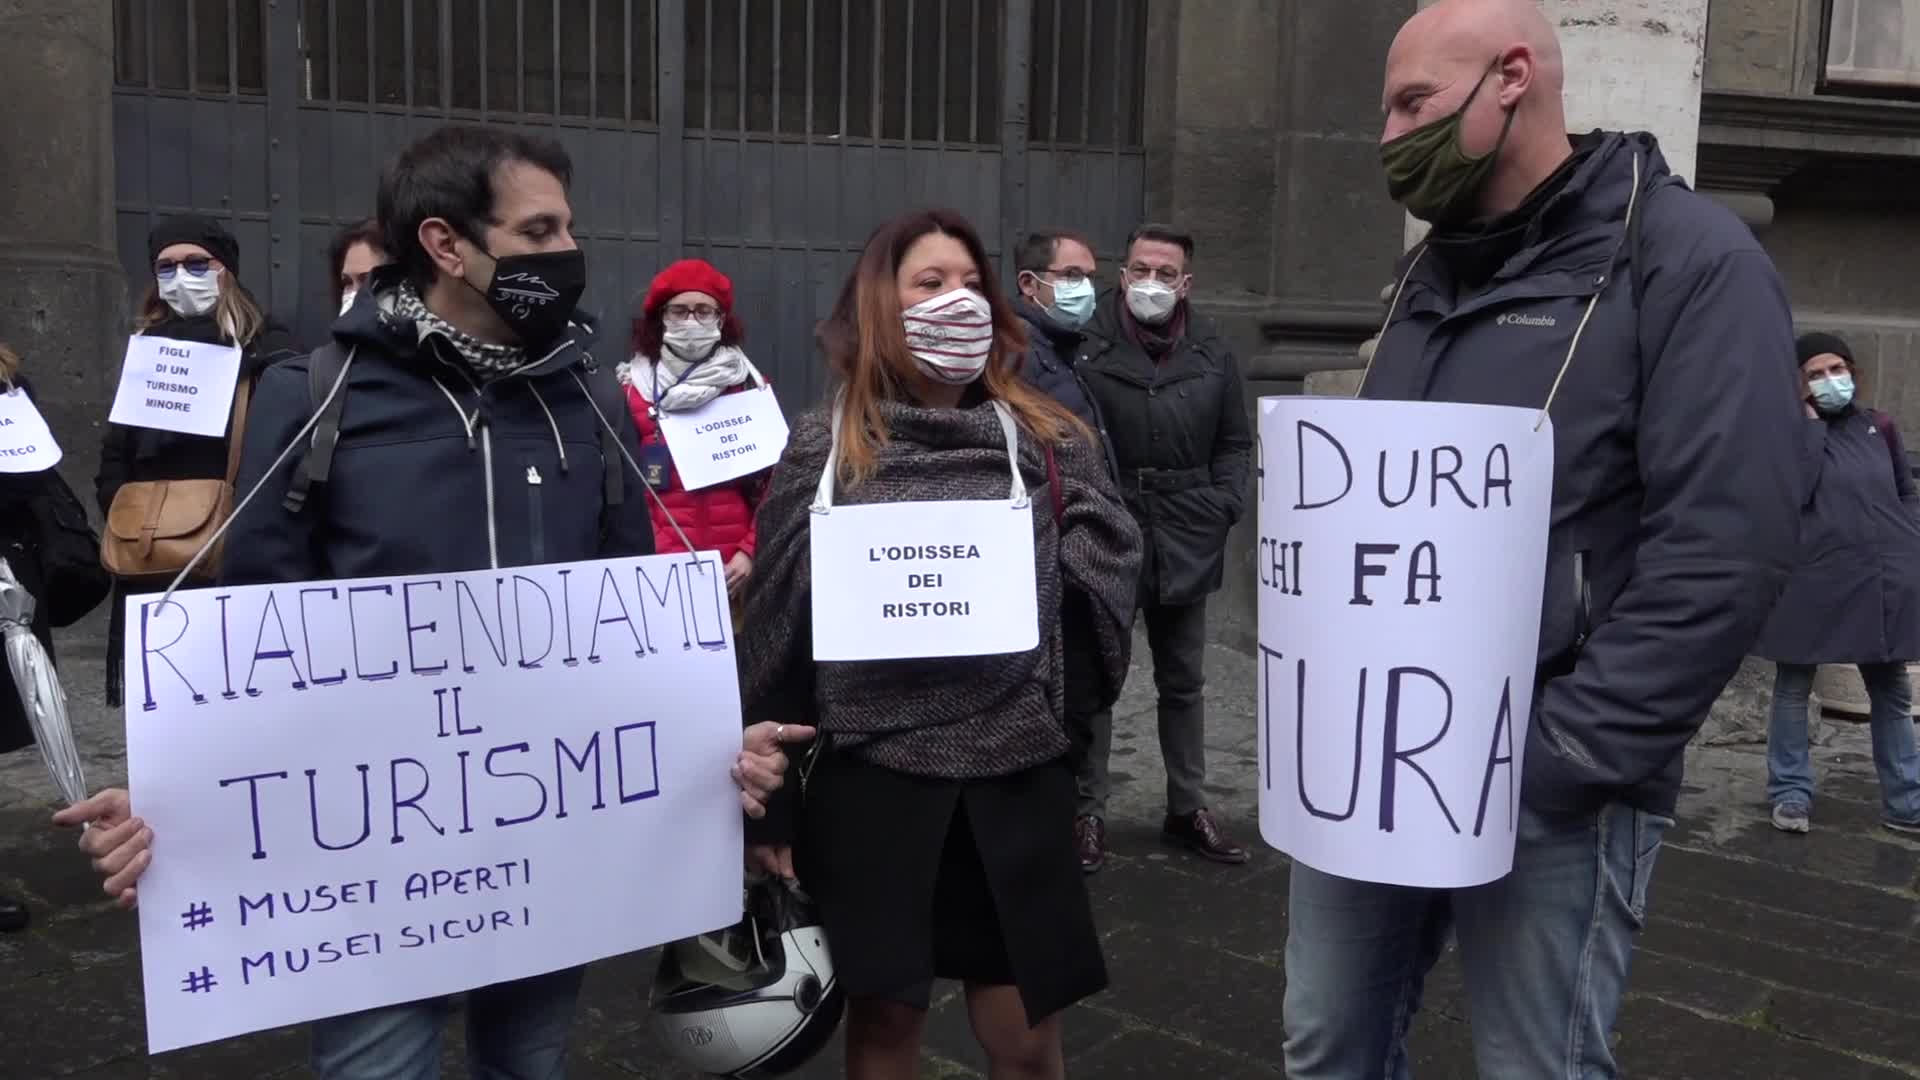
[(1677, 471), (434, 471)]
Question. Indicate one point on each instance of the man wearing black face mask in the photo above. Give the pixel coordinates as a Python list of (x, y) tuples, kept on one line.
[(1578, 276), (468, 439)]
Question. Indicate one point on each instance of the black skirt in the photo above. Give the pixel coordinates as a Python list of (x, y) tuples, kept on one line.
[(920, 879)]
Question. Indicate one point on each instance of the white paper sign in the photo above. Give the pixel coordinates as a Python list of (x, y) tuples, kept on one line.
[(374, 791), (184, 386), (1401, 557), (731, 436), (26, 443), (894, 581)]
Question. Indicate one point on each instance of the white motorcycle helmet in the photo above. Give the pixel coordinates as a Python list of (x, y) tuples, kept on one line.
[(757, 999)]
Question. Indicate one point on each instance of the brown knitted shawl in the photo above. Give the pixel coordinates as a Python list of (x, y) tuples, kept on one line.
[(952, 718)]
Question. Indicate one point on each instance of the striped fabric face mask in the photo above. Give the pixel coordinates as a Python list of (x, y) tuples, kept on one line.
[(951, 335)]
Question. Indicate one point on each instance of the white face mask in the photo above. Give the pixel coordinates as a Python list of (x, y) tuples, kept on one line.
[(346, 300), (951, 335), (191, 296), (1150, 301), (691, 340)]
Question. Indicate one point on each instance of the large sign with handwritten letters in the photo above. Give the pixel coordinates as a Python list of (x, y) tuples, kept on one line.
[(1401, 553), (373, 791)]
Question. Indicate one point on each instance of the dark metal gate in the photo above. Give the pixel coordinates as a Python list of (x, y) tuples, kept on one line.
[(768, 136)]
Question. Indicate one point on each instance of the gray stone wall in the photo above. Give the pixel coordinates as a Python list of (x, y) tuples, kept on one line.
[(64, 305), (1263, 141)]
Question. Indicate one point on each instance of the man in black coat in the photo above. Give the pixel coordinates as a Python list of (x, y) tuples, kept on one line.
[(1056, 274), (1169, 394)]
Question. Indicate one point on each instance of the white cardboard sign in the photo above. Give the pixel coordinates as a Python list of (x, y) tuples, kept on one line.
[(1401, 557), (893, 581), (733, 435), (26, 443), (184, 386), (375, 791)]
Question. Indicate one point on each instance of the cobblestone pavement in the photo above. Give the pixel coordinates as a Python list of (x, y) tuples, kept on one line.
[(1766, 956)]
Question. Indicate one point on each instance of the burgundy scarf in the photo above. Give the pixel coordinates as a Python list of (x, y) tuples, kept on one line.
[(1158, 341)]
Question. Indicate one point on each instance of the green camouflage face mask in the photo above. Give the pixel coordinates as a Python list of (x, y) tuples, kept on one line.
[(1431, 176)]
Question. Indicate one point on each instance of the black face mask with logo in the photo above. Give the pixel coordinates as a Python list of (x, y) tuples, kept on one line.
[(535, 293)]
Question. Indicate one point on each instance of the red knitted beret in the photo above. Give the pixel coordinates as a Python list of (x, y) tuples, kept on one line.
[(689, 275)]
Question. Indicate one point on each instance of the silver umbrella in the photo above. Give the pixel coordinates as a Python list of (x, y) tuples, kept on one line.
[(39, 687)]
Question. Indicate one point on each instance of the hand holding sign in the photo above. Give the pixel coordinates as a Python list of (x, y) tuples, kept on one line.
[(119, 844), (1401, 555)]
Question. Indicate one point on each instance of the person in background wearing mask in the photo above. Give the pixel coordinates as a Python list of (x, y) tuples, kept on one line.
[(1169, 392), (446, 343), (686, 352), (1661, 349), (52, 552), (1056, 301), (356, 251), (930, 828), (1854, 597), (196, 296)]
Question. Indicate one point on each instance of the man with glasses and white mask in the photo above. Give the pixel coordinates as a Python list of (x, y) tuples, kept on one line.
[(1056, 301), (1169, 394)]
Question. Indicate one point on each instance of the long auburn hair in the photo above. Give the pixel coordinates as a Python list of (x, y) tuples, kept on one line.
[(9, 367), (865, 343)]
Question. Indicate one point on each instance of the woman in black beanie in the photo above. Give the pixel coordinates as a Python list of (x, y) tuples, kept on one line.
[(196, 295), (1854, 597)]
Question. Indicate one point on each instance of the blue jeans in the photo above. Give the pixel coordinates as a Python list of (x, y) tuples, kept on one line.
[(1790, 764), (515, 1031), (1545, 952)]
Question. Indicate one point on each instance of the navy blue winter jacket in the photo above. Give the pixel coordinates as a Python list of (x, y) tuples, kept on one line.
[(434, 472), (1677, 486)]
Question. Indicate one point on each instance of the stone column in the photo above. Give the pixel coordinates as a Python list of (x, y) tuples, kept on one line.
[(64, 306), (1262, 122)]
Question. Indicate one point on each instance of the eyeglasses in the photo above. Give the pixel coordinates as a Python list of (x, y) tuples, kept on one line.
[(683, 312), (1072, 275), (195, 265), (1167, 274)]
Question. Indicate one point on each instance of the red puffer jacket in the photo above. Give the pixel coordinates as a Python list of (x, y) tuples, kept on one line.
[(717, 518)]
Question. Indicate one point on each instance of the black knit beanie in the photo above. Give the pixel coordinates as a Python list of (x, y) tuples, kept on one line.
[(1817, 344), (193, 229)]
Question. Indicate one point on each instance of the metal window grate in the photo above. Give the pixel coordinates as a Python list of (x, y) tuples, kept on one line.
[(191, 46), (898, 70), (584, 59), (1088, 56)]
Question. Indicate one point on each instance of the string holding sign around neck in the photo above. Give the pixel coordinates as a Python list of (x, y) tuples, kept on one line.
[(734, 435), (26, 443), (823, 502), (932, 578)]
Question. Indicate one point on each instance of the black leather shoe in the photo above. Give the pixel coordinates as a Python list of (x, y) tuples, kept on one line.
[(13, 915), (1200, 834)]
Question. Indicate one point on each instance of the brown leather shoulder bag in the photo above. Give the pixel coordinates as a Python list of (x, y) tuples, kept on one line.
[(155, 527)]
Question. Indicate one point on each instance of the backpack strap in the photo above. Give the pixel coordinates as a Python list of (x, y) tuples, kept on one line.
[(323, 370)]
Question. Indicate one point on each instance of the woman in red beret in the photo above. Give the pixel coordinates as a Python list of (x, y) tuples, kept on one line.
[(686, 352)]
